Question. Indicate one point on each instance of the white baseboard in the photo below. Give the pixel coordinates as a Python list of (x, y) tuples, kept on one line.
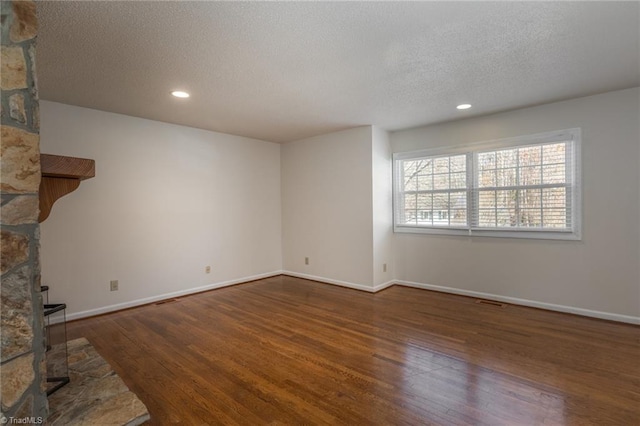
[(516, 301), (147, 300), (332, 281), (525, 302), (382, 286)]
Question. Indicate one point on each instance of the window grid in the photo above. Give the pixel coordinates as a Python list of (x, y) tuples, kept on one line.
[(525, 186), (521, 210), (446, 175)]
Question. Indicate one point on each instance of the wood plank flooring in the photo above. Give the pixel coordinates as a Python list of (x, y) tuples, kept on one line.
[(289, 351)]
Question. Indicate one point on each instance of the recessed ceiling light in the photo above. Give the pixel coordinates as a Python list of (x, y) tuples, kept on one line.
[(180, 94), (464, 106)]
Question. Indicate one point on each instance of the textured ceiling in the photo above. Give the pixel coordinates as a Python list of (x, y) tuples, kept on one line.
[(284, 71)]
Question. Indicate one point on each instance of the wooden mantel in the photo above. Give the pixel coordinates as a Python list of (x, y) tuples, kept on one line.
[(60, 176)]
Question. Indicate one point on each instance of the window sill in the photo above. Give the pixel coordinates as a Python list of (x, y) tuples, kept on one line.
[(522, 234)]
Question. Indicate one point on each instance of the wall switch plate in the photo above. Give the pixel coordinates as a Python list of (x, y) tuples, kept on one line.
[(384, 267), (306, 260), (114, 285)]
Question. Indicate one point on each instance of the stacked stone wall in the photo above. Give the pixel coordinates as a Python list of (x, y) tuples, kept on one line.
[(22, 350)]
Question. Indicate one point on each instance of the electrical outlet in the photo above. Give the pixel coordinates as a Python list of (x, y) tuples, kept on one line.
[(384, 267), (114, 285), (207, 269), (306, 260)]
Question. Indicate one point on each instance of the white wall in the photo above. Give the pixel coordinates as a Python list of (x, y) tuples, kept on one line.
[(382, 207), (599, 273), (166, 201), (326, 207), (169, 200)]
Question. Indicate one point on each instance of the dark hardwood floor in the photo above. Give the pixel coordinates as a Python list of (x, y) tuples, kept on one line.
[(289, 351)]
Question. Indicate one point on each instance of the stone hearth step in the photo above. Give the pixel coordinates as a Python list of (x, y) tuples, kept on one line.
[(95, 395)]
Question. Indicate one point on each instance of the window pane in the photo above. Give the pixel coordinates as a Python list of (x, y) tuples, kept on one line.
[(530, 198), (424, 167), (440, 218), (506, 218), (441, 181), (410, 203), (458, 164), (441, 165), (410, 182), (425, 182), (554, 173), (486, 199), (530, 218), (506, 177), (414, 167), (458, 200), (487, 218), (506, 199), (445, 175), (487, 160), (506, 158), (554, 153), (459, 217), (458, 180), (425, 217), (424, 201), (409, 170), (555, 206), (440, 202), (530, 175), (530, 156), (414, 171), (555, 218), (409, 167), (554, 197), (487, 179)]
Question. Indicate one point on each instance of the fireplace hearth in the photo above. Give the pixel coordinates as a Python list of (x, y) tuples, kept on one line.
[(95, 394)]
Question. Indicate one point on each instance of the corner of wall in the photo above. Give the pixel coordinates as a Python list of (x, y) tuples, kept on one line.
[(381, 206)]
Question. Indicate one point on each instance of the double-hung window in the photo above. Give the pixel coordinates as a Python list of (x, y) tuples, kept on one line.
[(525, 187)]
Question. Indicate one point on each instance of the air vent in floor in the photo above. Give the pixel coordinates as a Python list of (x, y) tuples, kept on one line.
[(162, 302), (491, 303)]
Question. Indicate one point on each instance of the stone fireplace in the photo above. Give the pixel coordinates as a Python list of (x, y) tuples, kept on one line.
[(22, 353)]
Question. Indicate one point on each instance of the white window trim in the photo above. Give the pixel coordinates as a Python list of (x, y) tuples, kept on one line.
[(575, 135)]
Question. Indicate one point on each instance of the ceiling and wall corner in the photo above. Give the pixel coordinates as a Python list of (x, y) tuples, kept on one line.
[(284, 71)]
